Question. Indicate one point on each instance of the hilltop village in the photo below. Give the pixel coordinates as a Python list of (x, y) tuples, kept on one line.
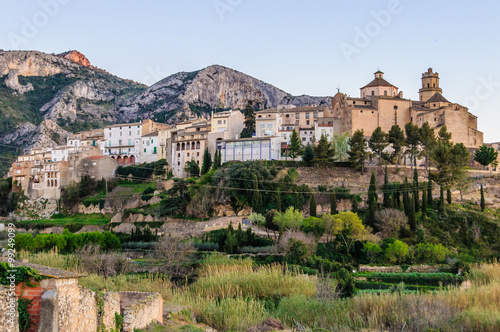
[(97, 153)]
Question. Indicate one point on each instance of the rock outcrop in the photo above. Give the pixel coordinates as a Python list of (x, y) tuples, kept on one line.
[(76, 57)]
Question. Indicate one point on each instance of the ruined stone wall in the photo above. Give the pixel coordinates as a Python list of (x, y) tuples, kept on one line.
[(68, 307), (111, 306), (140, 309), (7, 313)]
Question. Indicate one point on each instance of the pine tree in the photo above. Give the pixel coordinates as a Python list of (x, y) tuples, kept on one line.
[(378, 142), (424, 204), (412, 141), (372, 190), (278, 200), (354, 204), (448, 196), (397, 139), (385, 190), (312, 206), (308, 153), (357, 152), (295, 145), (415, 190), (324, 150), (207, 162), (333, 203), (483, 203)]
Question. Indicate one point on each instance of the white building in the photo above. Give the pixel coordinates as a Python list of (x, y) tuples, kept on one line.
[(246, 149), (148, 148), (267, 123), (120, 142)]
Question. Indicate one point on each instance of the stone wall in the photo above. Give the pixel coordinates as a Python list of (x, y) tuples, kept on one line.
[(7, 313), (140, 309), (111, 306), (66, 306)]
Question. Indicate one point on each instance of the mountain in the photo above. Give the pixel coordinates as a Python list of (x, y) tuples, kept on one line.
[(184, 95), (45, 97)]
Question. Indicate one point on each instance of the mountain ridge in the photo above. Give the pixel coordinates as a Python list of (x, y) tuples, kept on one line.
[(63, 93)]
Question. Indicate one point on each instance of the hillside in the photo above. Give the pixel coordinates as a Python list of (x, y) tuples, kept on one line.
[(184, 95)]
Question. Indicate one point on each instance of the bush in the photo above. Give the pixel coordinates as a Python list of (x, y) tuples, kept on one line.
[(396, 252), (430, 253)]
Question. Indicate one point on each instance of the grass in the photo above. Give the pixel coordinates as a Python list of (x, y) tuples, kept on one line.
[(138, 188), (86, 219), (53, 259)]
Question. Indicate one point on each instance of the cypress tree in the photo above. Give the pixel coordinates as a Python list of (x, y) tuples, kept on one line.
[(312, 206), (411, 218), (354, 202), (441, 199), (424, 205), (257, 197), (372, 208), (448, 196), (483, 203), (296, 202), (333, 203), (372, 190), (278, 200), (385, 189), (207, 162), (415, 190), (406, 198), (429, 192)]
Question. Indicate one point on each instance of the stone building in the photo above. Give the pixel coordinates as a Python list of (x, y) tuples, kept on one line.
[(381, 105), (98, 167)]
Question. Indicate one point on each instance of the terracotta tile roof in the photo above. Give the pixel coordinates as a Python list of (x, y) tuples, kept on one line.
[(378, 82), (437, 98)]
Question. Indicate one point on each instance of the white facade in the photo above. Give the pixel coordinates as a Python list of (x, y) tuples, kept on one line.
[(267, 123), (148, 148), (246, 149), (120, 142), (61, 153)]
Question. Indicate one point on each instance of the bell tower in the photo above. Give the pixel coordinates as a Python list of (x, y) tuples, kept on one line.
[(430, 85)]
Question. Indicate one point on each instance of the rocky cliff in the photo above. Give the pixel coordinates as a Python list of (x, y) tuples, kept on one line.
[(184, 95), (44, 97)]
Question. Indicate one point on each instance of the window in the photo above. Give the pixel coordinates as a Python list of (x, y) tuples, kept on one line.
[(433, 85), (130, 133), (129, 141), (303, 139), (287, 116), (308, 115), (219, 122), (121, 133), (262, 125), (94, 163), (270, 125), (197, 154), (428, 85), (109, 134), (373, 93), (307, 122), (385, 92), (224, 121), (154, 150), (144, 150), (297, 115), (354, 102), (120, 142), (188, 154)]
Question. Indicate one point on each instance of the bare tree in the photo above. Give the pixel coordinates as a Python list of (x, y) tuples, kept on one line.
[(390, 222), (93, 260), (174, 251)]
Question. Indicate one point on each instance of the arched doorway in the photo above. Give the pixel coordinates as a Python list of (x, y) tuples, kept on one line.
[(132, 160), (125, 160), (119, 160)]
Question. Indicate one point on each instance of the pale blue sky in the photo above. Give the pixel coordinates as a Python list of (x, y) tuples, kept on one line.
[(294, 45)]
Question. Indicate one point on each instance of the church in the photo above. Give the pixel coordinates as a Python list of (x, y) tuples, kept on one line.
[(380, 104)]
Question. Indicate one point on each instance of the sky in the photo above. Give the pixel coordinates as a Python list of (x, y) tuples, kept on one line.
[(301, 47)]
